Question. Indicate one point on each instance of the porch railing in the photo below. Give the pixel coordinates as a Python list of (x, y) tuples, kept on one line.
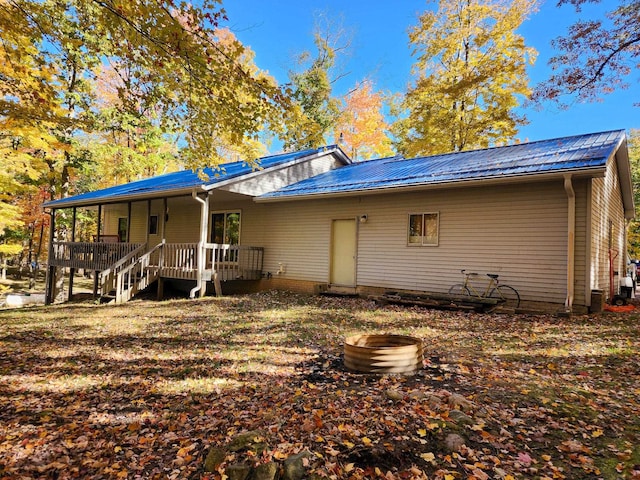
[(125, 268), (234, 262), (230, 262), (134, 277), (90, 255), (177, 260), (111, 278)]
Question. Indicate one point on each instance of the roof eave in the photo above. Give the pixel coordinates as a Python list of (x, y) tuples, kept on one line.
[(59, 204), (516, 178), (626, 182)]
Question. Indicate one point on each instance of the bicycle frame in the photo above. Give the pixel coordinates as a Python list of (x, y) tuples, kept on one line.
[(493, 289), (490, 284)]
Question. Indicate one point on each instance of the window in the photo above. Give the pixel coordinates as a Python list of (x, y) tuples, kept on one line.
[(225, 228), (153, 225), (123, 229), (423, 229)]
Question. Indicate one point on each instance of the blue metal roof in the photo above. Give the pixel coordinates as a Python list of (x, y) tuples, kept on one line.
[(581, 152), (179, 181)]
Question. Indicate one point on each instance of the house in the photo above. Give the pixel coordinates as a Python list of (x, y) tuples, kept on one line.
[(549, 217)]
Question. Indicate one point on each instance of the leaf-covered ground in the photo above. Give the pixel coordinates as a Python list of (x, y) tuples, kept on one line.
[(146, 389)]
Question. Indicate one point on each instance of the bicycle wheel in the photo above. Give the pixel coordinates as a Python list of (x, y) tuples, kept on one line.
[(509, 295), (460, 290)]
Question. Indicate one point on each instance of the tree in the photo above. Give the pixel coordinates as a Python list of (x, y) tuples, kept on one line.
[(471, 72), (177, 82), (634, 158), (28, 109), (362, 126), (595, 56), (315, 110), (202, 85)]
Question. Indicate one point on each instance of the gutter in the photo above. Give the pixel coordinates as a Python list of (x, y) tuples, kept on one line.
[(571, 235), (204, 214), (120, 199)]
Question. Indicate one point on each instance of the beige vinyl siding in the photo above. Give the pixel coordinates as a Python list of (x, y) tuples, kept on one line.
[(111, 213), (299, 236), (183, 225), (518, 232), (157, 209), (138, 222), (581, 188), (606, 206)]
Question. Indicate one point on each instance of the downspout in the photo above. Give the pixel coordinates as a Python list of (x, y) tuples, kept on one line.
[(571, 235), (203, 238)]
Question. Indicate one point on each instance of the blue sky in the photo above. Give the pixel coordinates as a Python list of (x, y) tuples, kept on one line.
[(277, 30)]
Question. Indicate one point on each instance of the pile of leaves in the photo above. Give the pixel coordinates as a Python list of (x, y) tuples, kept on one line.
[(145, 390)]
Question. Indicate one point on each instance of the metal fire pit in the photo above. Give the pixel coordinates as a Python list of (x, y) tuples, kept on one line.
[(383, 353)]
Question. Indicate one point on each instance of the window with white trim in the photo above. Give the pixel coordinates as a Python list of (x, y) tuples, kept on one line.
[(423, 229), (225, 228)]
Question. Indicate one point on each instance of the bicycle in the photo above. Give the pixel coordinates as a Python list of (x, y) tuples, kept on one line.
[(505, 294)]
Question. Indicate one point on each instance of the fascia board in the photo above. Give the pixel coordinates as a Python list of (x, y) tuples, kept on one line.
[(626, 182), (121, 199)]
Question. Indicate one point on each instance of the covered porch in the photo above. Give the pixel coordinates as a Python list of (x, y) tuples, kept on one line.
[(121, 268)]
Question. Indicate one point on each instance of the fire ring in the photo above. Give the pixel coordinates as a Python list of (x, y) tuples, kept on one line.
[(383, 353)]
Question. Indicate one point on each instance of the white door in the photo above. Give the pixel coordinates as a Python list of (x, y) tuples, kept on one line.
[(343, 253)]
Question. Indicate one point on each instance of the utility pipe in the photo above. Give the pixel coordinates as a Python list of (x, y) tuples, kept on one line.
[(204, 213), (571, 235)]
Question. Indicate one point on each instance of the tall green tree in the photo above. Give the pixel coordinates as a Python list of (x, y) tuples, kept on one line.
[(470, 76), (595, 57), (634, 158), (315, 109)]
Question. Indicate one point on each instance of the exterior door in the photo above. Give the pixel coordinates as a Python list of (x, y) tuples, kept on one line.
[(343, 253)]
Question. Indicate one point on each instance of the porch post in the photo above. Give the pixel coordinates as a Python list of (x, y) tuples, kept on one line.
[(148, 220), (160, 291), (95, 272), (51, 269), (128, 239), (203, 239), (73, 224), (99, 222), (165, 219), (72, 271)]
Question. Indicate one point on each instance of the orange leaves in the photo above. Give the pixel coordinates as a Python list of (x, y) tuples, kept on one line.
[(362, 126)]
